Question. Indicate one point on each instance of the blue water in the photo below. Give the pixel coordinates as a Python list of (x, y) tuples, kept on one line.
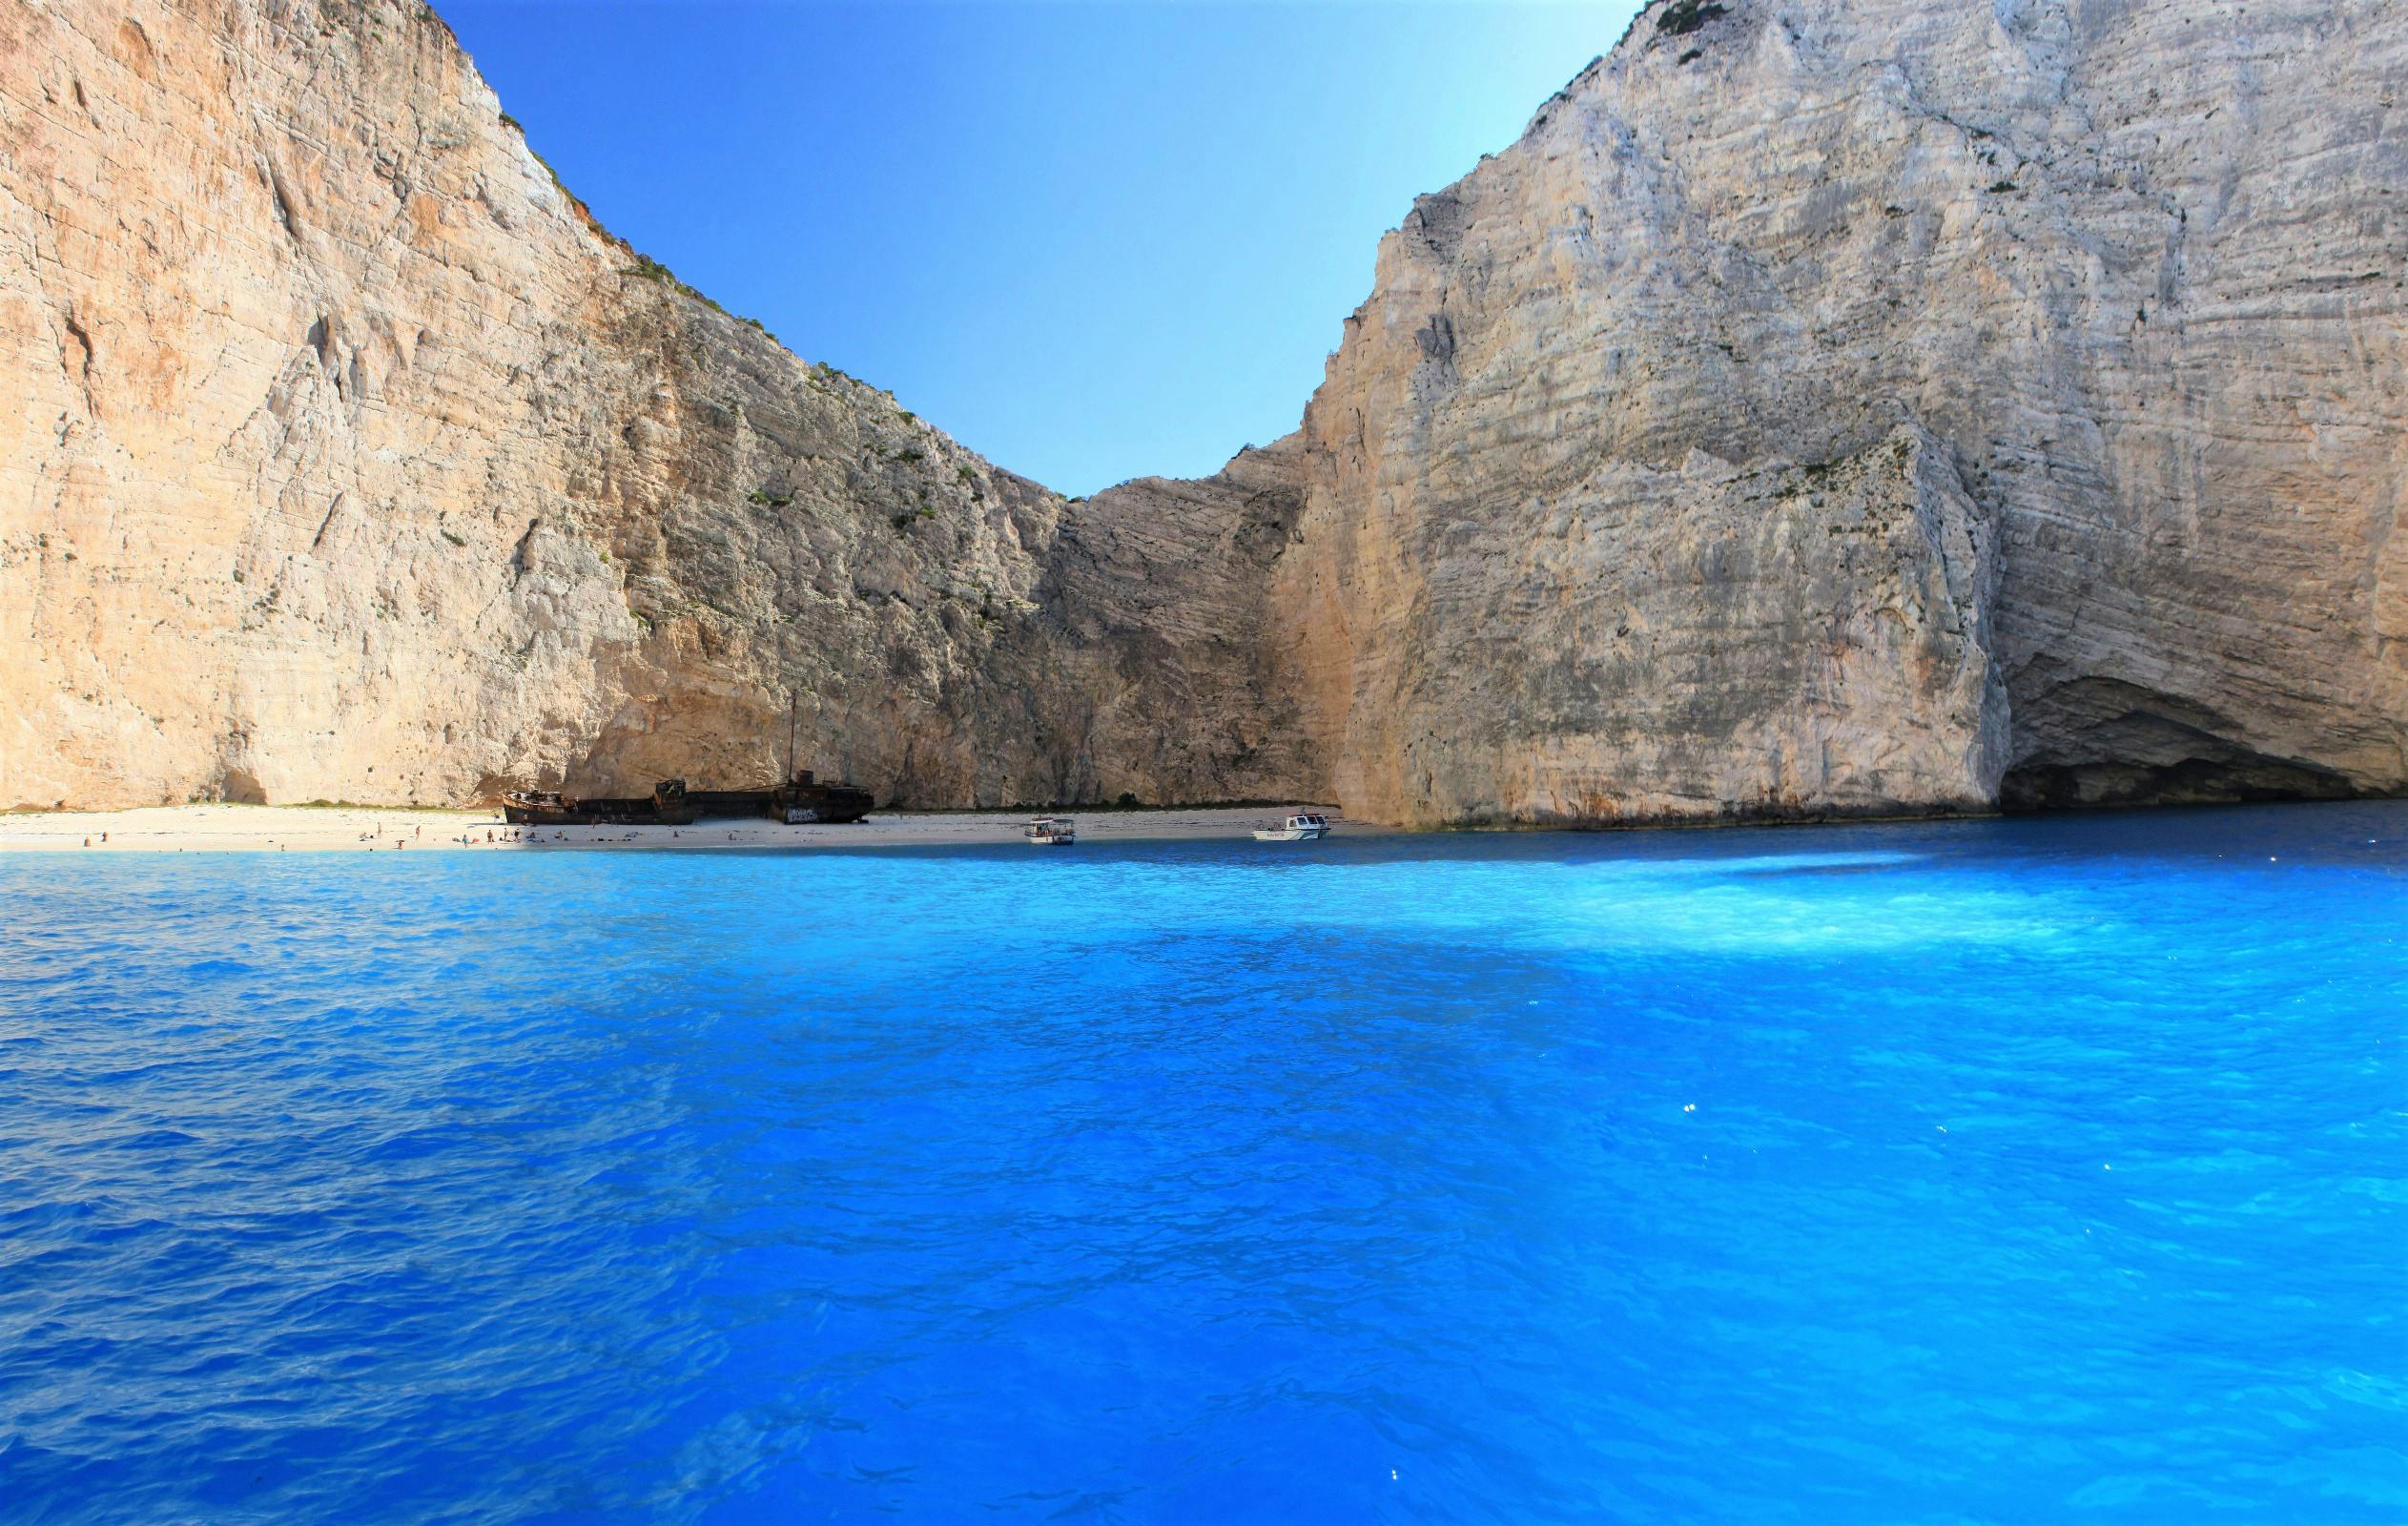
[(2008, 1171)]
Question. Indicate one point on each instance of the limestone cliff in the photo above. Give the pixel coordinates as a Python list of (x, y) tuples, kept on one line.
[(346, 457), (1824, 408), (1602, 515)]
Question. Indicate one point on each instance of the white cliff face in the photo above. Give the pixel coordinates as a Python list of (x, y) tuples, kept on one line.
[(346, 458), (2127, 280), (1824, 408)]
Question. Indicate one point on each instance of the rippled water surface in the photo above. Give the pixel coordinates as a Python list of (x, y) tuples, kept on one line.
[(2004, 1171)]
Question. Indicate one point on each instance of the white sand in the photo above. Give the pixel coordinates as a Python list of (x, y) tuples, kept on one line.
[(358, 829)]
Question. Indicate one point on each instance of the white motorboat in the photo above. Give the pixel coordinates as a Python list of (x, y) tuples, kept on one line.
[(1051, 831), (1302, 826)]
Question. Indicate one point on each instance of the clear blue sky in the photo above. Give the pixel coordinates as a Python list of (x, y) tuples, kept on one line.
[(1090, 240)]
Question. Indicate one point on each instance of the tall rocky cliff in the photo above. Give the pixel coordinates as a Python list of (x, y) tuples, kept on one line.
[(1840, 404), (1824, 408), (345, 457)]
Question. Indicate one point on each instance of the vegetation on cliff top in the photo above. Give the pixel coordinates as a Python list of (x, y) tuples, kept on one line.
[(1684, 16)]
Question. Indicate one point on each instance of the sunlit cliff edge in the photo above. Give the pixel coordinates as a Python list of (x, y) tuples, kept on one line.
[(1823, 409)]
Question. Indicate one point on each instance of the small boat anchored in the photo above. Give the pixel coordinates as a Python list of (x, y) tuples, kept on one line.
[(1051, 831), (1298, 826)]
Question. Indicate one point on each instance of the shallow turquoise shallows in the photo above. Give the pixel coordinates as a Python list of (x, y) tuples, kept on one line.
[(2029, 1170)]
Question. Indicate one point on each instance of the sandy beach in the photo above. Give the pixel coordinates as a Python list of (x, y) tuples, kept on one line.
[(363, 829)]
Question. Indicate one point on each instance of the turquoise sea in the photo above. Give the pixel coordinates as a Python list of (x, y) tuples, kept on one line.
[(2047, 1169)]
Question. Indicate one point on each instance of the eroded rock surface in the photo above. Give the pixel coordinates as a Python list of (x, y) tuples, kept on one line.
[(1824, 408), (2126, 279), (348, 458)]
